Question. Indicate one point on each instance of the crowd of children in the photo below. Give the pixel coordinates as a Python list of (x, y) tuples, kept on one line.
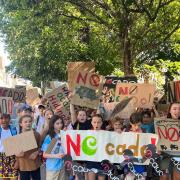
[(39, 164)]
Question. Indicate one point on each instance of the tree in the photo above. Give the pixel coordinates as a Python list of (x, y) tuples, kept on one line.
[(41, 36), (139, 26)]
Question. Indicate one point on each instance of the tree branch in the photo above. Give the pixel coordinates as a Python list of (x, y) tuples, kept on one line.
[(104, 6), (77, 18), (83, 7), (174, 30), (142, 8)]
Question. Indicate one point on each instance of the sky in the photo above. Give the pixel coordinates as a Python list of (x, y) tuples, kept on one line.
[(3, 53)]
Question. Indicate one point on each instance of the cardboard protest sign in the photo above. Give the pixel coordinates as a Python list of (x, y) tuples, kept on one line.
[(32, 96), (74, 68), (173, 91), (142, 94), (168, 132), (51, 145), (18, 94), (100, 145), (111, 81), (6, 105), (59, 102), (20, 143), (177, 90), (110, 86), (56, 84), (88, 89), (124, 109), (158, 94)]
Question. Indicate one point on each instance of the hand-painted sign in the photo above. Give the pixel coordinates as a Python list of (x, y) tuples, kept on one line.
[(18, 94), (74, 68), (111, 81), (99, 145), (32, 96), (142, 94), (87, 90), (6, 105), (174, 91), (110, 86), (123, 109), (168, 132), (58, 100)]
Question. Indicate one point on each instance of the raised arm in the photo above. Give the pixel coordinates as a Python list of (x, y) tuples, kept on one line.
[(73, 114)]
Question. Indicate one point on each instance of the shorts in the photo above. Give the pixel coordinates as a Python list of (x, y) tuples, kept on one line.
[(56, 175), (7, 166), (95, 167), (164, 163)]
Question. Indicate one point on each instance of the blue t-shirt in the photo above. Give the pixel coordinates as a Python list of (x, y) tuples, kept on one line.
[(149, 128), (53, 164)]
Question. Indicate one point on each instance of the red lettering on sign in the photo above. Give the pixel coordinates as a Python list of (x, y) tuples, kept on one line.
[(70, 143), (80, 77), (123, 91), (94, 80), (174, 136), (177, 90), (52, 97), (10, 106), (171, 134), (108, 81), (153, 141), (161, 132)]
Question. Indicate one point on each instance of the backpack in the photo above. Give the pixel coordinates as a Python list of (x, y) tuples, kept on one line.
[(37, 120)]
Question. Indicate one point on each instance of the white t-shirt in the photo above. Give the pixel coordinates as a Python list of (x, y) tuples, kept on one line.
[(40, 124), (4, 135)]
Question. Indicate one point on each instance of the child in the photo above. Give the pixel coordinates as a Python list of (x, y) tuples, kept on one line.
[(26, 110), (147, 122), (40, 119), (117, 124), (135, 126), (80, 122), (48, 113), (96, 122), (29, 162), (135, 123), (173, 113), (54, 161), (7, 164), (67, 124)]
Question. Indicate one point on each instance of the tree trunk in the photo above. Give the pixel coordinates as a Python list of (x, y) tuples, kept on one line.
[(127, 57), (126, 45)]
